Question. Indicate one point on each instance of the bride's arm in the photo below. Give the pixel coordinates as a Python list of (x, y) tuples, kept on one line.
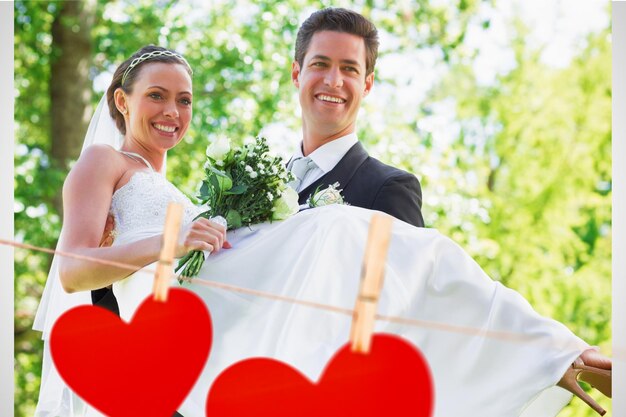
[(87, 194)]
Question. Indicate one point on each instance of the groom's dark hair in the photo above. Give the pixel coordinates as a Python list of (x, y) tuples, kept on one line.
[(339, 20)]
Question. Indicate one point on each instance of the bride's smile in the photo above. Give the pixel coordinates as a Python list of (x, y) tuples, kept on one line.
[(163, 128)]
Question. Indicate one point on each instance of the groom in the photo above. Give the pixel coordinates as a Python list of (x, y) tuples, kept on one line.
[(336, 52)]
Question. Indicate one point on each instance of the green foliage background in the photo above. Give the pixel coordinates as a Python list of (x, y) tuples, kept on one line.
[(524, 186)]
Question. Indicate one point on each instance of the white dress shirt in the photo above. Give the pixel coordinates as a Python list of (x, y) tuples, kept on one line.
[(326, 157)]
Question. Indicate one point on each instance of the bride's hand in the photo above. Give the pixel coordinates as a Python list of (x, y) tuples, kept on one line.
[(203, 235)]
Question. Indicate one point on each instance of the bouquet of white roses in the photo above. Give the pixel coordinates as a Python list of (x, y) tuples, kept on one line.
[(246, 186)]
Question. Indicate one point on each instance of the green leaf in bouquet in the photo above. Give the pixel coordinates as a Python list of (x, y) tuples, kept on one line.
[(233, 218), (225, 183), (237, 190), (220, 180), (214, 170), (204, 193), (215, 184), (207, 214)]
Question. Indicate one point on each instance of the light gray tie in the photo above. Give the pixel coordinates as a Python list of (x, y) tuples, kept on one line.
[(299, 168)]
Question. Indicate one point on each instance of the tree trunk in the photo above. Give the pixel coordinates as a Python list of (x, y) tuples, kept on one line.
[(70, 86)]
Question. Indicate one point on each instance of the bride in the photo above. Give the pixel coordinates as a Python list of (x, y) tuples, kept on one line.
[(315, 256)]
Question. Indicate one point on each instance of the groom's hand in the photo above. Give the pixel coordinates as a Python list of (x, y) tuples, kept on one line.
[(107, 235)]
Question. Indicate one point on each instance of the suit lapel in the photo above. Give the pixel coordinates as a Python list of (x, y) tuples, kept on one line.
[(341, 173)]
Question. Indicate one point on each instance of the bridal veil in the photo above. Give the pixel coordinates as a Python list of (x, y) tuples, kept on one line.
[(55, 301), (55, 398)]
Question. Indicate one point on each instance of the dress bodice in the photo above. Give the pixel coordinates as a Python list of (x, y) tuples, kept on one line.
[(140, 205)]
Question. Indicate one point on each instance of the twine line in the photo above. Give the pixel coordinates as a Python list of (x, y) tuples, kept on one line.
[(619, 354)]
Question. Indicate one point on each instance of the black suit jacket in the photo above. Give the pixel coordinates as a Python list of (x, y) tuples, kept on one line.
[(370, 184)]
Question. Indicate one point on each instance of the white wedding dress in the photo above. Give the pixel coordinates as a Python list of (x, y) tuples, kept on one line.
[(316, 256), (139, 211)]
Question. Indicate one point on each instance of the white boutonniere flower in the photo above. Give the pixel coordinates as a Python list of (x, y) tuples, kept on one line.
[(329, 195)]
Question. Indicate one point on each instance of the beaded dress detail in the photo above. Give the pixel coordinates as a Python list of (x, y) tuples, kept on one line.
[(140, 205)]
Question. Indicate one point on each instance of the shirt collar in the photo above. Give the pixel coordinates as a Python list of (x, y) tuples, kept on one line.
[(329, 154)]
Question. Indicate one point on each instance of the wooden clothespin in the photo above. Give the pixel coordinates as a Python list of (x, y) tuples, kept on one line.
[(165, 267), (372, 276)]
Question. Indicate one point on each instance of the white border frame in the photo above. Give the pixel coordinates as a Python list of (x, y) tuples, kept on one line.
[(7, 141), (619, 206), (7, 224)]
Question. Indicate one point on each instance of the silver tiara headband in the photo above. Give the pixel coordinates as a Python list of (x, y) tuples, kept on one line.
[(150, 55)]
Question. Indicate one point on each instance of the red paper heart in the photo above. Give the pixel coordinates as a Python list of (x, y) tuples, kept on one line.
[(392, 380), (142, 368)]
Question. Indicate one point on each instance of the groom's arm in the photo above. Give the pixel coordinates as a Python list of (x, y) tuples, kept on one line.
[(401, 197)]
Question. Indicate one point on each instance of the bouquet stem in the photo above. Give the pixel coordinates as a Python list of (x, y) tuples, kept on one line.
[(192, 262)]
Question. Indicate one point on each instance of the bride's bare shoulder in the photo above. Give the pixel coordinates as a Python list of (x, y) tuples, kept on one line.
[(101, 158), (99, 153), (98, 163)]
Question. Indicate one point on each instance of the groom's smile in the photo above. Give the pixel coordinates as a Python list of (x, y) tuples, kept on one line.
[(330, 99)]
